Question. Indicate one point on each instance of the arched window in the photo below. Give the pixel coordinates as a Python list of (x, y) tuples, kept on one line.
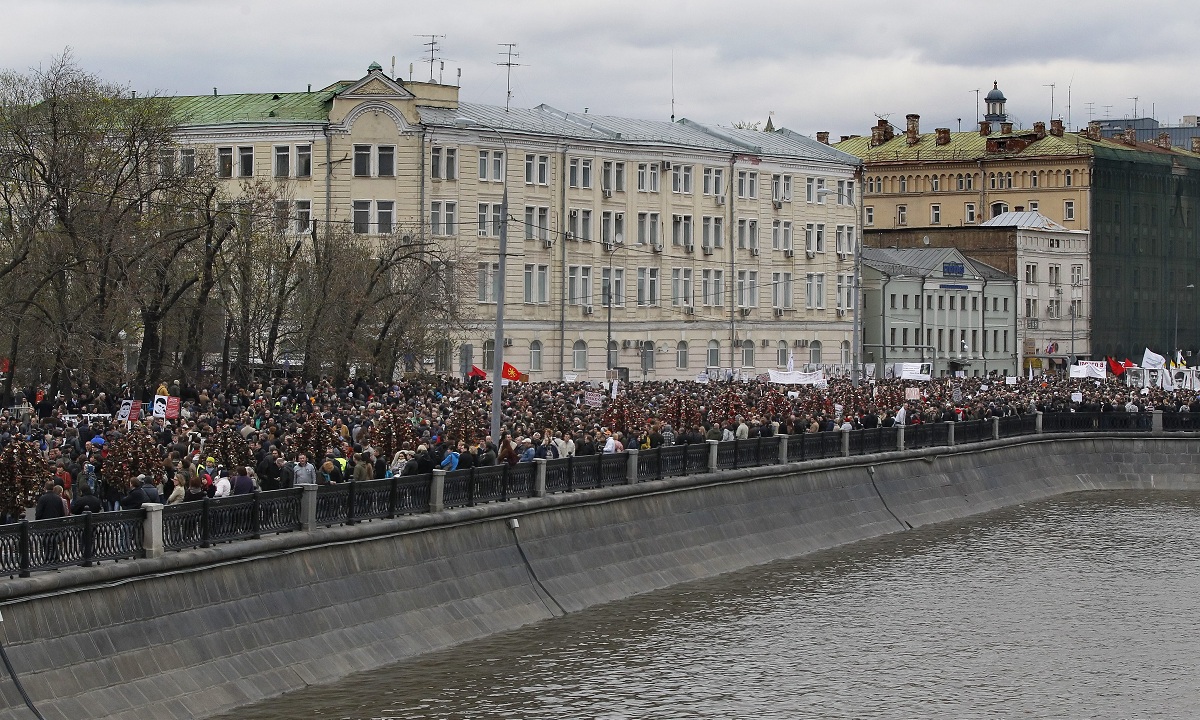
[(1067, 178), (579, 355), (814, 352), (846, 352), (441, 357), (535, 355), (612, 354), (714, 353), (681, 355), (999, 208), (489, 355), (782, 358), (747, 353)]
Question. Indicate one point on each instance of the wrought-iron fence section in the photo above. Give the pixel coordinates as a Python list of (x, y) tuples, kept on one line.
[(697, 458), (183, 525), (1181, 421), (872, 440), (972, 431), (747, 452), (54, 543), (11, 545), (613, 469), (672, 460), (232, 518), (520, 481), (372, 499), (918, 436), (1014, 425), (560, 476), (457, 489), (821, 445), (727, 454), (649, 464), (585, 472), (115, 535), (412, 493), (333, 504), (489, 484)]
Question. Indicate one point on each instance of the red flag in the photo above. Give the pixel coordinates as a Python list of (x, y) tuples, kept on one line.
[(476, 372), (510, 373), (1115, 367), (1129, 364)]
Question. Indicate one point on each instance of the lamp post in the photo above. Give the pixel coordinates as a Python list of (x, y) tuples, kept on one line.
[(1175, 343), (123, 336), (618, 240), (856, 339), (498, 339)]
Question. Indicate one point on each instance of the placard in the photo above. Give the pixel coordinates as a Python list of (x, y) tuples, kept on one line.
[(1076, 397), (912, 393), (593, 399), (1010, 381)]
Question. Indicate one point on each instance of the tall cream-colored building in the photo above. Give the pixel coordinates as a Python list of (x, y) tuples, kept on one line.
[(719, 248)]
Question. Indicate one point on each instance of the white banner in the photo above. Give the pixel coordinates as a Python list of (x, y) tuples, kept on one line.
[(796, 377), (1152, 360), (1092, 369), (912, 371)]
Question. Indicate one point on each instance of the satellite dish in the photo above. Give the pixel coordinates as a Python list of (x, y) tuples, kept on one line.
[(925, 240)]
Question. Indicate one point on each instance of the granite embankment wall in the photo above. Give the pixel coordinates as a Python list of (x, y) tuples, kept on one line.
[(200, 632)]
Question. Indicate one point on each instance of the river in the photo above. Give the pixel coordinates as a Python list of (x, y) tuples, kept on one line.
[(1083, 606)]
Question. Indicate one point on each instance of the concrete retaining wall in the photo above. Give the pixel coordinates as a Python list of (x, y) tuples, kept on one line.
[(201, 632)]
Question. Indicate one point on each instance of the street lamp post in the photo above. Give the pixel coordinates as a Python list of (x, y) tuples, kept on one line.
[(1175, 342), (608, 300), (498, 339), (856, 339)]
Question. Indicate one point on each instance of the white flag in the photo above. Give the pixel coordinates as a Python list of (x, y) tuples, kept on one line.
[(791, 362), (1152, 360)]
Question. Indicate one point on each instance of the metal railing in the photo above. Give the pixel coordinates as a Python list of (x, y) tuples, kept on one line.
[(89, 538)]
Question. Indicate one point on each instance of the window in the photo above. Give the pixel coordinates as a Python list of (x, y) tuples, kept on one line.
[(606, 175), (781, 354), (535, 355), (443, 163), (579, 285), (681, 286), (681, 355), (579, 173), (747, 353), (537, 223), (681, 179), (245, 161), (747, 288), (999, 208), (489, 283), (814, 352), (385, 161), (781, 187), (489, 354), (712, 288), (901, 214), (361, 216), (1033, 206), (530, 169), (814, 291), (869, 215), (648, 355), (385, 216), (1033, 179), (1031, 274), (283, 161), (1031, 307), (892, 338), (747, 187), (280, 216), (714, 354), (1068, 178), (612, 286), (648, 228), (1076, 275), (362, 161), (681, 230), (647, 177), (903, 184), (820, 238), (904, 338), (845, 292), (579, 355), (935, 214), (489, 219), (776, 234), (935, 183), (491, 165), (1054, 275), (442, 218), (959, 182), (613, 359), (619, 177), (969, 212), (1054, 306), (714, 181), (537, 283), (1069, 210), (303, 216), (781, 290), (647, 286), (187, 161)]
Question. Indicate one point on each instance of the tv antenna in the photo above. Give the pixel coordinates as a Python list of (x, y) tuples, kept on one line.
[(1134, 99), (433, 45), (508, 64), (1051, 86), (1091, 106), (976, 91)]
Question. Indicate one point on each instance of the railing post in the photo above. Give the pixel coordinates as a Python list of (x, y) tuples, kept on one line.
[(995, 427), (256, 515), (631, 473), (89, 545), (308, 507), (950, 433), (846, 443), (900, 437), (1156, 423), (23, 547), (393, 495), (539, 477), (436, 491), (712, 455), (152, 530), (205, 522), (350, 504), (1037, 422), (783, 441)]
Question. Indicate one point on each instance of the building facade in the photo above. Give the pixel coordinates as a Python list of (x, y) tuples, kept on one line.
[(936, 305), (667, 248)]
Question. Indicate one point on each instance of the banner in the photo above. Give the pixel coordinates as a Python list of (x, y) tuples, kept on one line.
[(1088, 369), (796, 377), (159, 408), (172, 408), (593, 399), (1152, 360), (702, 378), (912, 371), (130, 410)]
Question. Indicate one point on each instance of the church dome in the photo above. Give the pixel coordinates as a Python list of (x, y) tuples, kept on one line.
[(995, 95)]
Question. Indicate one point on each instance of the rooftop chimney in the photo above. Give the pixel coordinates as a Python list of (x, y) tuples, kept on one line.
[(881, 132), (1196, 144), (1006, 128), (823, 137), (943, 136), (1093, 130), (1019, 208), (1039, 129), (985, 128), (1163, 141), (1130, 136), (1056, 128), (914, 128)]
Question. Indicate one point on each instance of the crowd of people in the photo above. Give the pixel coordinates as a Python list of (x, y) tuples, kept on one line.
[(445, 426)]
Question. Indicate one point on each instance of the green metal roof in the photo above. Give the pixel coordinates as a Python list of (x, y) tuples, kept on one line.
[(302, 107), (963, 146)]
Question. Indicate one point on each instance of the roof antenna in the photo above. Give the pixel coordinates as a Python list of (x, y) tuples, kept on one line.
[(508, 65), (432, 44), (393, 67), (976, 91), (672, 84), (1051, 86)]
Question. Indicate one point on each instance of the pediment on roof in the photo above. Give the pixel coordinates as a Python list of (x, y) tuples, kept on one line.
[(375, 85)]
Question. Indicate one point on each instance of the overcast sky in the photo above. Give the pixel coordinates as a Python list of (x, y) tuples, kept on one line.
[(814, 65)]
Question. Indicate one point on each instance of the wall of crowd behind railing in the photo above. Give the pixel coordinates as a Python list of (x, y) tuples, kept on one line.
[(151, 531)]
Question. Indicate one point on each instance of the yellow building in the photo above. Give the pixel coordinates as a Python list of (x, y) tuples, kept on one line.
[(719, 248)]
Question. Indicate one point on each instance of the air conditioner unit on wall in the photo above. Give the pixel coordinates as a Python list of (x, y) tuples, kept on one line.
[(841, 312), (766, 343), (587, 309), (626, 344), (689, 247), (720, 199), (787, 253), (508, 342), (607, 193), (547, 243), (778, 312), (778, 204), (745, 312), (800, 344), (810, 253), (483, 233), (754, 251), (689, 310), (657, 247), (708, 250)]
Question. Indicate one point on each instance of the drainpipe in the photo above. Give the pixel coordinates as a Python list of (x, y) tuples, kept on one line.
[(1017, 369), (562, 286), (983, 202), (983, 326), (733, 347), (328, 178), (883, 334), (421, 207)]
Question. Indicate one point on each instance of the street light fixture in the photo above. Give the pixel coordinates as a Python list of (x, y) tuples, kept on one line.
[(856, 339), (498, 339), (1175, 342), (618, 243)]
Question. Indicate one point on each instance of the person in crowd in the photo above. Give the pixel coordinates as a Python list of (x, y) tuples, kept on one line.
[(303, 473), (86, 501), (241, 483)]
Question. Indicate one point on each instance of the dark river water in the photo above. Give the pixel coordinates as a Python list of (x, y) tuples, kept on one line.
[(1080, 607)]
